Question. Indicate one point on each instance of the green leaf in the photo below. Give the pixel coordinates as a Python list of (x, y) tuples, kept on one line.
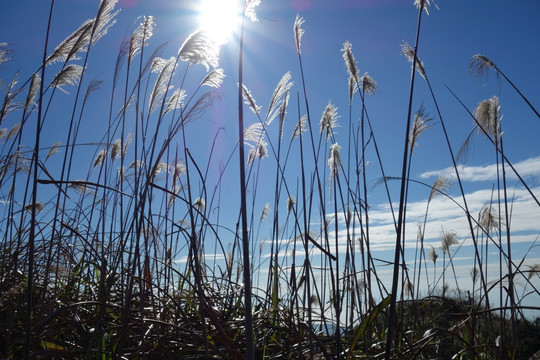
[(368, 320)]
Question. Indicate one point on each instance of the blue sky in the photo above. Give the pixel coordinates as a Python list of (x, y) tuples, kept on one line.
[(501, 30)]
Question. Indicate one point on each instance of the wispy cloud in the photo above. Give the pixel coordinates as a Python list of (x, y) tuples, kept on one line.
[(526, 168)]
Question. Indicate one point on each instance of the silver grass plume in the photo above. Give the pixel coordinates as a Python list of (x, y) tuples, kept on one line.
[(350, 61), (9, 103), (441, 185), (298, 32), (3, 133), (127, 142), (214, 78), (283, 113), (488, 218), (408, 52), (116, 149), (249, 9), (253, 133), (291, 201), (176, 101), (94, 86), (334, 162), (39, 206), (166, 70), (352, 88), (53, 150), (32, 91), (409, 288), (258, 151), (422, 121), (178, 169), (139, 164), (265, 211), (448, 239), (13, 131), (254, 138), (161, 166), (474, 274), (480, 65), (329, 120), (105, 19), (175, 189), (4, 53), (301, 127), (200, 48), (249, 100), (369, 85), (533, 269), (199, 204), (100, 158), (276, 100), (425, 4), (74, 44), (70, 75), (487, 115), (432, 254), (140, 36)]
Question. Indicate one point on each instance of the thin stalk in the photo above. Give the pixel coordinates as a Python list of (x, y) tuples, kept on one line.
[(250, 351)]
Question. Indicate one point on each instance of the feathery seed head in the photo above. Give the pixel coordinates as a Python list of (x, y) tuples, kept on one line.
[(448, 238), (408, 52), (4, 53), (301, 127), (424, 4), (53, 150), (13, 131), (352, 88), (441, 185), (488, 218), (334, 162), (38, 205), (176, 101), (422, 121), (100, 158), (250, 100), (369, 85), (166, 71), (74, 44), (214, 78), (265, 211), (480, 65), (486, 114), (276, 101), (139, 38), (32, 91), (258, 151), (291, 201), (9, 103), (178, 169), (329, 120), (533, 269), (200, 48), (350, 61), (298, 32), (70, 75), (199, 204), (116, 149), (433, 255)]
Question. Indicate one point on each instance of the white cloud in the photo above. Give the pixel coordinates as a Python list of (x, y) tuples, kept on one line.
[(525, 168)]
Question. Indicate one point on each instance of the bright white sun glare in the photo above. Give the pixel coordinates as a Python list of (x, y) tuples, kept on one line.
[(221, 18)]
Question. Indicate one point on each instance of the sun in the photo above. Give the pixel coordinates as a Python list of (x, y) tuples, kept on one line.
[(220, 18)]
